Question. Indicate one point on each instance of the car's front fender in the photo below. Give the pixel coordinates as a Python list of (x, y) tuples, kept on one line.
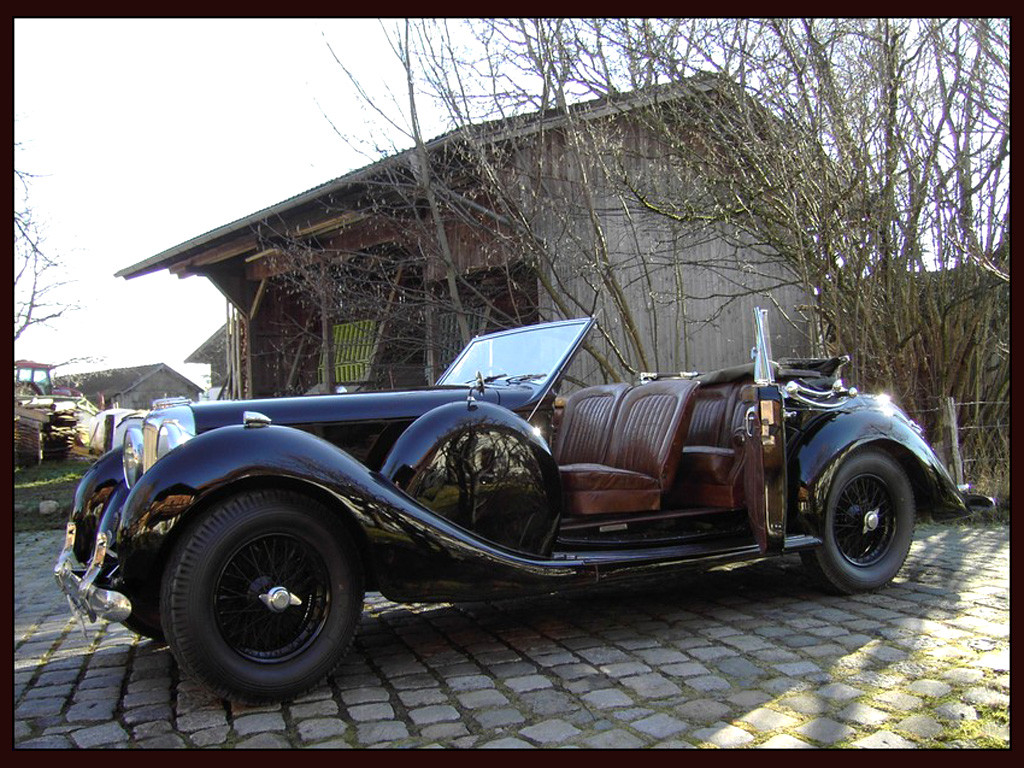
[(410, 551), (484, 468), (831, 437), (98, 497), (211, 464)]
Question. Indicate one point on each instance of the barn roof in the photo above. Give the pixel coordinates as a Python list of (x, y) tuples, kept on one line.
[(504, 129), (114, 381)]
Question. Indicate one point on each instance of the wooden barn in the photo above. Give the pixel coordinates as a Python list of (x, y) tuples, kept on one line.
[(378, 277)]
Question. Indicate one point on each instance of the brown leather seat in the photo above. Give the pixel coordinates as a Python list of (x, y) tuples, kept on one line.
[(641, 458), (586, 429), (709, 473)]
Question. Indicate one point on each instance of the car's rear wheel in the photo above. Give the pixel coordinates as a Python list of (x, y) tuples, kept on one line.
[(868, 525), (261, 596)]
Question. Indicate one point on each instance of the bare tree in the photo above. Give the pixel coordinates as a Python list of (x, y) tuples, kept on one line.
[(871, 155), (38, 273), (563, 180), (862, 161), (865, 152)]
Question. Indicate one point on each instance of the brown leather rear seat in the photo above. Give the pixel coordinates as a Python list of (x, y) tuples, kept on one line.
[(709, 473), (618, 448)]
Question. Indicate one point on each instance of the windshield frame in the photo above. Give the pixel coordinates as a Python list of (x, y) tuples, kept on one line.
[(583, 325)]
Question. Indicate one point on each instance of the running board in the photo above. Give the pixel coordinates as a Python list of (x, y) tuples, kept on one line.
[(622, 522), (800, 541), (736, 547)]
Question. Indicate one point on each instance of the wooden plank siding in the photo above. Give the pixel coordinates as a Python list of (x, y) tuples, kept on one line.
[(689, 289), (690, 296)]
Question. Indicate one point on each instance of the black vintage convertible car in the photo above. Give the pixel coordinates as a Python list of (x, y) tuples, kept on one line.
[(246, 533)]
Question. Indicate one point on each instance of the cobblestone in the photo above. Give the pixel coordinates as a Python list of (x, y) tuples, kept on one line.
[(883, 740), (764, 719), (862, 714), (748, 656), (723, 735), (825, 730)]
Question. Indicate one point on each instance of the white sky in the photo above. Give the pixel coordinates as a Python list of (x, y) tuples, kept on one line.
[(147, 133)]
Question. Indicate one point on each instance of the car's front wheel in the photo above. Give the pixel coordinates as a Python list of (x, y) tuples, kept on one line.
[(868, 525), (261, 596)]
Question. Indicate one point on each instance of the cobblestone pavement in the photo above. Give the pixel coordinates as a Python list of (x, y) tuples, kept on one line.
[(750, 656)]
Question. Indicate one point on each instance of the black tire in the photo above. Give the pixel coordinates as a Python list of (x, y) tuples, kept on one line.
[(249, 545), (868, 526)]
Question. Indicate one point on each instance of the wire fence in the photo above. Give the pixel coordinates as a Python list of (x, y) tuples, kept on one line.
[(973, 440)]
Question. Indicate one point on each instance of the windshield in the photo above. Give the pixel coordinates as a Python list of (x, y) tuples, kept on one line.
[(535, 354)]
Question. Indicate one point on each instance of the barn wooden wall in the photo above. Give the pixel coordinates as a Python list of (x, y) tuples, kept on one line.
[(691, 293)]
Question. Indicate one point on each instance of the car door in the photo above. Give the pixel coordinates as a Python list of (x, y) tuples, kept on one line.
[(764, 481)]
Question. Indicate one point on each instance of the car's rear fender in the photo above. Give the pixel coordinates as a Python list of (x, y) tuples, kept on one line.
[(830, 438)]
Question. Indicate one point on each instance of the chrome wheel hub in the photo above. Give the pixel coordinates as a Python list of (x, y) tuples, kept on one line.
[(277, 599), (871, 520)]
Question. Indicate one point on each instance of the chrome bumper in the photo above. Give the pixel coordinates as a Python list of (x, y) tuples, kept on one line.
[(85, 599)]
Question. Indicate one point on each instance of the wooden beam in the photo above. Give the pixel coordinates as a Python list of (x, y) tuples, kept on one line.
[(360, 238), (265, 268), (259, 297), (355, 239), (338, 222), (216, 255), (263, 254)]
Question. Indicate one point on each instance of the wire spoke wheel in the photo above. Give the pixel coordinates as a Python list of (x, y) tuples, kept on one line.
[(866, 527), (252, 628), (864, 523), (262, 595)]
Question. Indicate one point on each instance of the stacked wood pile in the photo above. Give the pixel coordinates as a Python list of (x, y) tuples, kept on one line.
[(42, 431)]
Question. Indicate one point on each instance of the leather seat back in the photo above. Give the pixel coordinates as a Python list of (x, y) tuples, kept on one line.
[(586, 429), (650, 428), (708, 423), (712, 456)]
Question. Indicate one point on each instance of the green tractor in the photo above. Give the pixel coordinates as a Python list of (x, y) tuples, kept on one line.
[(48, 421)]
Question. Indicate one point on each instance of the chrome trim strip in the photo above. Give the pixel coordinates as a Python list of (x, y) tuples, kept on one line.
[(795, 390), (132, 454), (181, 427), (798, 541), (168, 402)]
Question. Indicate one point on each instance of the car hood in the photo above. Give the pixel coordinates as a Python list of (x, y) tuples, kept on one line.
[(404, 405)]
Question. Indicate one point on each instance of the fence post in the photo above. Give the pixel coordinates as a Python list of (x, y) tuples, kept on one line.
[(954, 441)]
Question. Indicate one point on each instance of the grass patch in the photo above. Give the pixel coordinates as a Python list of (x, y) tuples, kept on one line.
[(974, 732), (999, 515), (49, 481), (50, 472)]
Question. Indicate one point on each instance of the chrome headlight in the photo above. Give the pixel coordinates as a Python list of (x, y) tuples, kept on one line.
[(131, 458), (161, 432), (164, 430), (169, 436)]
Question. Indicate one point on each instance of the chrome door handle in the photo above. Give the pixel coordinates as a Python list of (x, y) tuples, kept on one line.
[(750, 422)]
